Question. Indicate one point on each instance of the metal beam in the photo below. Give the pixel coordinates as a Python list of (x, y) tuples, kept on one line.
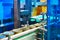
[(16, 14)]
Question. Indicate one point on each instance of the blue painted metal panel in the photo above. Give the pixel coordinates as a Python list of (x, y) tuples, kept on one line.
[(1, 11), (54, 2), (7, 12), (7, 1), (6, 7), (53, 19)]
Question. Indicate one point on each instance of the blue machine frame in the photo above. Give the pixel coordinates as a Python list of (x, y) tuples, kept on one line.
[(6, 18)]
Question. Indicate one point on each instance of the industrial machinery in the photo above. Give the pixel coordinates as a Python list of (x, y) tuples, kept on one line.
[(30, 32), (33, 27), (35, 15), (25, 10)]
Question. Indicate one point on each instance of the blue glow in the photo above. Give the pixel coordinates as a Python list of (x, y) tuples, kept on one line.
[(45, 16), (51, 18), (22, 1), (40, 16)]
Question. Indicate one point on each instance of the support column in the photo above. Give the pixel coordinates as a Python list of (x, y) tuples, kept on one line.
[(16, 14)]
